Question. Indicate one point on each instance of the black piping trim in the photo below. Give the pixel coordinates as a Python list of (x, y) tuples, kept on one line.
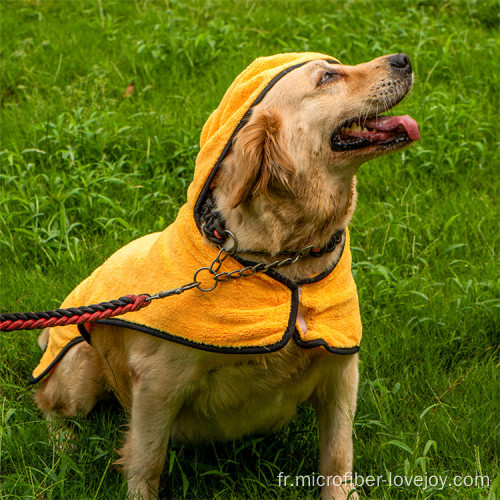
[(56, 360), (84, 333), (292, 318), (321, 343)]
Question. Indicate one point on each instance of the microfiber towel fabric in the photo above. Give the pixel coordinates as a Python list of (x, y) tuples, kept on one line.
[(257, 314)]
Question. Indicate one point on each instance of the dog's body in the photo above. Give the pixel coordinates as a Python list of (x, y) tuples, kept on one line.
[(287, 182)]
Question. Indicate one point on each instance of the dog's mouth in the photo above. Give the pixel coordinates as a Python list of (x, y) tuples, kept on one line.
[(380, 132)]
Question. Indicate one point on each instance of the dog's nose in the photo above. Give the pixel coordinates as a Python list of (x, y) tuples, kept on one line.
[(400, 62)]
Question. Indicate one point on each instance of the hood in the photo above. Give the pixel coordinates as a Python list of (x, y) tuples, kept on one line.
[(247, 90)]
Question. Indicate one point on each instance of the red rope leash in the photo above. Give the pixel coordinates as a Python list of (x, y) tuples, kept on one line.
[(73, 315)]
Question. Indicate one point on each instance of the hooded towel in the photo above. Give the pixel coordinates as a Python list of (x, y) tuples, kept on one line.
[(252, 315)]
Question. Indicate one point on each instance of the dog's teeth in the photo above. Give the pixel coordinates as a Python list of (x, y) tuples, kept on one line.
[(354, 127)]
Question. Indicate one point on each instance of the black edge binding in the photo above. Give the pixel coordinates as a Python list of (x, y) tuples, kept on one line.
[(84, 333), (56, 360), (321, 343), (292, 318)]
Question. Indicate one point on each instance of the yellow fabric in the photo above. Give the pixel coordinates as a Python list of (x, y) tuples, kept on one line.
[(246, 313)]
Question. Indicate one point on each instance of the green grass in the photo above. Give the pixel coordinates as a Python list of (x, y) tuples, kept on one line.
[(84, 171)]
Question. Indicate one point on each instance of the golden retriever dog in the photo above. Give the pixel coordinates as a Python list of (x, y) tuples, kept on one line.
[(286, 182)]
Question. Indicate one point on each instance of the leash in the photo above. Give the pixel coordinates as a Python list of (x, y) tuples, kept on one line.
[(88, 314)]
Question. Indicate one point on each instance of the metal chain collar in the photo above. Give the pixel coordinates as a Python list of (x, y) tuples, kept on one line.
[(221, 277)]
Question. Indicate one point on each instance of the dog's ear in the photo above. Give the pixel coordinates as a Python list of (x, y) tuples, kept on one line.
[(259, 157)]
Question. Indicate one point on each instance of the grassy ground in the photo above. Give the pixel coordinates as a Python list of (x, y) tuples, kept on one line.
[(85, 170)]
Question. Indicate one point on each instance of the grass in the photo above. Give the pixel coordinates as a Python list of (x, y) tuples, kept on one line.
[(85, 170)]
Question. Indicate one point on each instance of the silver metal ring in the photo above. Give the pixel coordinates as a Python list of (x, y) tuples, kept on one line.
[(234, 248), (199, 283)]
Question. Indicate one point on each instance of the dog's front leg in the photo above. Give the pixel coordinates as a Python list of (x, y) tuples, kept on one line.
[(156, 400), (335, 403)]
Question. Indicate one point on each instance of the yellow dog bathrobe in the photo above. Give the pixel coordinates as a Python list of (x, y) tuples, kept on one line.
[(257, 314)]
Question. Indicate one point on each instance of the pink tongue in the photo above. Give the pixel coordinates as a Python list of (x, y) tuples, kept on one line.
[(388, 123)]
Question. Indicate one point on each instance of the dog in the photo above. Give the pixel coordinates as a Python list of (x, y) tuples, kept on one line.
[(277, 164)]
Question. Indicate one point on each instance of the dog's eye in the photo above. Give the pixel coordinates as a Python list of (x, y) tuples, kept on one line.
[(327, 77)]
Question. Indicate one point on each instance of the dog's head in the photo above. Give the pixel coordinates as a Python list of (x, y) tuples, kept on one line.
[(321, 119), (299, 147)]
